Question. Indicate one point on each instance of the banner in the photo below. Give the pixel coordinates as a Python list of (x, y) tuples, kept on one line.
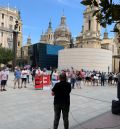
[(41, 81)]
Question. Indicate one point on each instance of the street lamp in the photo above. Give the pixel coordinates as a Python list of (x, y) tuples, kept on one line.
[(15, 36)]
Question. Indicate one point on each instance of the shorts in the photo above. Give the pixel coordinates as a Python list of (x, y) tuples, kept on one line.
[(3, 82), (24, 79)]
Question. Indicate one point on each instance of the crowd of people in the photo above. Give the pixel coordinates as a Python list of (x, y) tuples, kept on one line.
[(23, 75), (94, 78)]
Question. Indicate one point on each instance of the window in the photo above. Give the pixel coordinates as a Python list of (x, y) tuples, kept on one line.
[(2, 24), (89, 24), (11, 18), (18, 43), (19, 28), (49, 36), (2, 16)]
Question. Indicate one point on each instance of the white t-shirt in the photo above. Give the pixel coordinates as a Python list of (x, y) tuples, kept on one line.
[(24, 74), (7, 71), (4, 75)]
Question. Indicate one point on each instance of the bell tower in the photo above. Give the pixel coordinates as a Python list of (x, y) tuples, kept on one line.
[(91, 31)]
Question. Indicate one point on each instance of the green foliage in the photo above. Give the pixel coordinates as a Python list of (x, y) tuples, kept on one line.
[(6, 55), (107, 12)]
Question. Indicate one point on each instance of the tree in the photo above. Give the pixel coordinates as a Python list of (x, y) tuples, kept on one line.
[(6, 55), (107, 12)]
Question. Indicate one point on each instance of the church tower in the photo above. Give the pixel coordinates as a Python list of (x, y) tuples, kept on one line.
[(91, 31), (29, 40), (48, 36)]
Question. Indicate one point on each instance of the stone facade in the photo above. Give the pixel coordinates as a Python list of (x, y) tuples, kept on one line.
[(48, 36), (90, 35), (25, 51), (8, 16)]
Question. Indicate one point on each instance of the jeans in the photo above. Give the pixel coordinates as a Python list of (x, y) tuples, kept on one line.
[(72, 82), (57, 112)]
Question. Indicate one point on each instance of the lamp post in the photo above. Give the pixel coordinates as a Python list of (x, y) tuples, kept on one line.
[(15, 36)]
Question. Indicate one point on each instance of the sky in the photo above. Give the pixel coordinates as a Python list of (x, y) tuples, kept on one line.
[(36, 15)]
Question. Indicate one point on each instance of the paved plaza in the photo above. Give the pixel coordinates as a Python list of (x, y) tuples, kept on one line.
[(28, 108)]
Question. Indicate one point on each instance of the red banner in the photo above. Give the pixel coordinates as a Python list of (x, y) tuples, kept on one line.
[(41, 81)]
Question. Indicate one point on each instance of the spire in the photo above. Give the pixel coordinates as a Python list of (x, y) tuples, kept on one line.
[(50, 24), (63, 20), (29, 40), (19, 15), (63, 11), (49, 30)]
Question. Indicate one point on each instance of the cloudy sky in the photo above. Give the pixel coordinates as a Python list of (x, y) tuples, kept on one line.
[(37, 13)]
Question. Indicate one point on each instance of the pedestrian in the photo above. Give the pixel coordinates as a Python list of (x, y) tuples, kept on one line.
[(4, 77), (102, 79), (24, 77), (28, 75), (72, 79), (61, 92), (17, 75), (78, 79), (33, 74), (55, 77)]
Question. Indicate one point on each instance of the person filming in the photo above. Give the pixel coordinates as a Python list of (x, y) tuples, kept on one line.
[(61, 92)]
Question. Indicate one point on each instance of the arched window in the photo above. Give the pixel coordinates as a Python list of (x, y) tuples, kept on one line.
[(18, 43), (89, 24), (19, 28)]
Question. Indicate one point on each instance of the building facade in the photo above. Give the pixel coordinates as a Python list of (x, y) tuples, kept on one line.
[(90, 35), (8, 16), (48, 36), (44, 55), (25, 58)]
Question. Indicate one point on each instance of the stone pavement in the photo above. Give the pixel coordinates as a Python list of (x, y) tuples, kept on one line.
[(28, 108)]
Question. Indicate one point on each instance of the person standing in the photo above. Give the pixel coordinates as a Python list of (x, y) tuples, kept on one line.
[(33, 74), (24, 77), (17, 75), (55, 77), (28, 75), (4, 77), (61, 92), (78, 79), (102, 79)]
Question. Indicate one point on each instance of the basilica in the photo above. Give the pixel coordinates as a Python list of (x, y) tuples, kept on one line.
[(89, 37)]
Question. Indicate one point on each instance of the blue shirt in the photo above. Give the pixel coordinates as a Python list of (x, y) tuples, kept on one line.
[(17, 74)]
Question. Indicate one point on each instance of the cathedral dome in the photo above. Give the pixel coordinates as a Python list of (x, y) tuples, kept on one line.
[(62, 34), (63, 28)]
